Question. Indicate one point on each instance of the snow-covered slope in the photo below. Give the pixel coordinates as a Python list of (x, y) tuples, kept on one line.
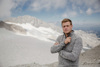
[(42, 33), (17, 50)]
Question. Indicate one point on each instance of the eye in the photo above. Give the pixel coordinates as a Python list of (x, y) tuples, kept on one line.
[(64, 26), (67, 25)]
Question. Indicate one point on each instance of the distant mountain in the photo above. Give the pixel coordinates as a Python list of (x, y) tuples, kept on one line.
[(33, 21)]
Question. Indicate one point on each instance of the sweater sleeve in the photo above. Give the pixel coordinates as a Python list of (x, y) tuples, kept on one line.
[(57, 48), (72, 56)]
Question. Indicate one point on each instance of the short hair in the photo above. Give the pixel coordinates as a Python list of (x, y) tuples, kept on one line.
[(66, 20)]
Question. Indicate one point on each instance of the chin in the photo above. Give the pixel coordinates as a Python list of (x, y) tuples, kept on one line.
[(66, 32)]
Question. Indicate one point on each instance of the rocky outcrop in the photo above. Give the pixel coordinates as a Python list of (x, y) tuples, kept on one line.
[(90, 58), (1, 24), (12, 27)]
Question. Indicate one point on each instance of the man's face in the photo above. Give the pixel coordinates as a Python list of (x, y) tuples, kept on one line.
[(67, 27)]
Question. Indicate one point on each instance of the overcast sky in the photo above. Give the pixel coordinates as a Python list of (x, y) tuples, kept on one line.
[(81, 12)]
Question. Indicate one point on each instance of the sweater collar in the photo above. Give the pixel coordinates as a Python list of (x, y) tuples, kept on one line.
[(69, 34)]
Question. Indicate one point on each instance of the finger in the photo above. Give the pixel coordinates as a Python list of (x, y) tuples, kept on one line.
[(69, 37), (56, 43)]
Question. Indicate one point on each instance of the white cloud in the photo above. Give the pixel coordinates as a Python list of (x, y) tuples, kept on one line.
[(5, 8), (89, 11), (19, 3), (81, 11), (80, 6), (38, 5), (88, 6), (73, 13), (64, 15), (69, 14)]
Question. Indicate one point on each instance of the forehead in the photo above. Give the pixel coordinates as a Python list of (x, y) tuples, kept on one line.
[(65, 23)]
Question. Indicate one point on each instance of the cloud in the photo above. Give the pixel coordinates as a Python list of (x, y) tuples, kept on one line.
[(69, 14), (86, 6), (89, 11), (5, 8), (77, 7), (81, 11), (68, 7), (19, 3), (39, 5), (80, 6), (93, 6), (64, 15)]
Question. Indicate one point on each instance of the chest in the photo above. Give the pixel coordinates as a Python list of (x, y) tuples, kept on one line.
[(69, 47)]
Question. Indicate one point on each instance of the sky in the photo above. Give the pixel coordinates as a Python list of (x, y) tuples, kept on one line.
[(83, 13)]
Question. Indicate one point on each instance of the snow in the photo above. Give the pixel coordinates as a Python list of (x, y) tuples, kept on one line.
[(88, 38), (16, 50), (41, 33)]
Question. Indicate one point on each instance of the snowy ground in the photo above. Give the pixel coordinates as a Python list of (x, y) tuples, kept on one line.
[(16, 49)]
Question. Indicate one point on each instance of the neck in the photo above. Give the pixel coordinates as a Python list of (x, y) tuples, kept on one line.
[(67, 34)]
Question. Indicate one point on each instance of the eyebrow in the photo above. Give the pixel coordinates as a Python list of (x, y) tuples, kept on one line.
[(65, 25)]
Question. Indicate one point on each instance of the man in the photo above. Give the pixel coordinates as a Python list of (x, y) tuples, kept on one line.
[(68, 45)]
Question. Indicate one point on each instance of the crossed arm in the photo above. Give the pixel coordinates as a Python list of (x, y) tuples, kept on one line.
[(57, 47)]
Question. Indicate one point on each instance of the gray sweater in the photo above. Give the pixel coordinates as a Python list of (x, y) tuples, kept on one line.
[(68, 53)]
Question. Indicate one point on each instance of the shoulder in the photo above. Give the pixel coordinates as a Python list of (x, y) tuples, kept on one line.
[(60, 36), (77, 36), (77, 39)]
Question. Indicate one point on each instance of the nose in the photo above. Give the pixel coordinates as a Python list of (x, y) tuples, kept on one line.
[(65, 26)]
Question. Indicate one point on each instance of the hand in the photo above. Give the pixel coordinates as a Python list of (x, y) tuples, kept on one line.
[(56, 43), (67, 40)]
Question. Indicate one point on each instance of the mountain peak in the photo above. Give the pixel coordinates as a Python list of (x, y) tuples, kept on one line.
[(33, 21)]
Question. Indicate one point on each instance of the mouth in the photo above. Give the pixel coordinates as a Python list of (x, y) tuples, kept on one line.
[(66, 30)]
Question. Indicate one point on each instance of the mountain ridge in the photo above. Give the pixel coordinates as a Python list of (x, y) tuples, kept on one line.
[(34, 21)]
